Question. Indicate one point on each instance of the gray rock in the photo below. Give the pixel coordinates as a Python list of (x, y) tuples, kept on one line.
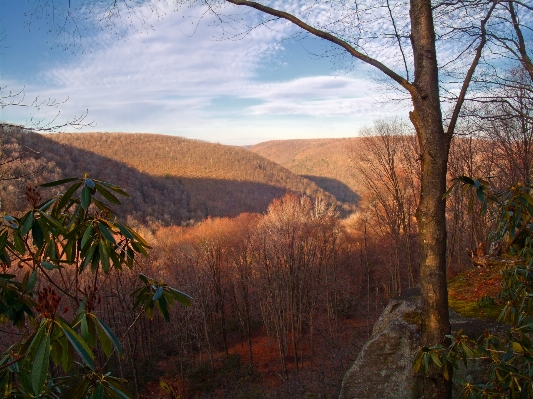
[(384, 367)]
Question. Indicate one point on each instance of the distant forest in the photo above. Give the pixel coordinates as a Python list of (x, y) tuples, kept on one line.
[(173, 180), (286, 279)]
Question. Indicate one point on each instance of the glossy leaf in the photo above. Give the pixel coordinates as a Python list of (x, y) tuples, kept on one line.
[(104, 256), (65, 198), (27, 224), (106, 233), (158, 293), (125, 231), (37, 234), (85, 197), (49, 266), (107, 332), (86, 235), (107, 195), (181, 297), (89, 183), (58, 182), (79, 345), (40, 365)]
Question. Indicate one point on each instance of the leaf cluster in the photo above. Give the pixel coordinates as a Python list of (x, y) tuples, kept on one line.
[(509, 356), (54, 244)]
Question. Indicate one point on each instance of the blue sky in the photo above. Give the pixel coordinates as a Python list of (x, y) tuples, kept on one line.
[(179, 78)]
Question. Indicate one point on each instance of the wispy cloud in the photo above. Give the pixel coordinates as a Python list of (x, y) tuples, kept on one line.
[(167, 81)]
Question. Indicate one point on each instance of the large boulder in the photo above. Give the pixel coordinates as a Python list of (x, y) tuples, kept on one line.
[(384, 367)]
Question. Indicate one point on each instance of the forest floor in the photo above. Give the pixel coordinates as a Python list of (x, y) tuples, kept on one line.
[(475, 292)]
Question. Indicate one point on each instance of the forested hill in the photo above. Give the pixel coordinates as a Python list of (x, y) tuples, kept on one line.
[(324, 161), (171, 179)]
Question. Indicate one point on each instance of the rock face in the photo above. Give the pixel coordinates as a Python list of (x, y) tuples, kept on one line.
[(384, 367)]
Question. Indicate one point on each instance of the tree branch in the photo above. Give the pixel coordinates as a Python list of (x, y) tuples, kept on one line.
[(470, 73), (524, 57), (331, 38)]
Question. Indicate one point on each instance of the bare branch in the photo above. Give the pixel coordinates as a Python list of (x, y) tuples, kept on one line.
[(329, 37), (468, 78)]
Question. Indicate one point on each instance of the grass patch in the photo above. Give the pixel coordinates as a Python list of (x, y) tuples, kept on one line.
[(475, 292)]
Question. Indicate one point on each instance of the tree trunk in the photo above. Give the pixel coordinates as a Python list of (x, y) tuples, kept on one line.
[(434, 147)]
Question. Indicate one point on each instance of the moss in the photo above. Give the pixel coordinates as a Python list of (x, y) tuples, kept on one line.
[(470, 308), (413, 318), (473, 293)]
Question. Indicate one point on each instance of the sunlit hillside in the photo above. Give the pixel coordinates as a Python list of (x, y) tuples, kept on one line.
[(171, 179), (324, 161)]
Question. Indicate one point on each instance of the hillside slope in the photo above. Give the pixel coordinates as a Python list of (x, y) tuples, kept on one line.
[(324, 161), (171, 179)]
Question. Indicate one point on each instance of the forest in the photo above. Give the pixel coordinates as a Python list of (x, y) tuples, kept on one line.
[(282, 294)]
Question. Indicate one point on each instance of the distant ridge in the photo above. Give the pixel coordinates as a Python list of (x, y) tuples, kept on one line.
[(324, 161), (172, 179)]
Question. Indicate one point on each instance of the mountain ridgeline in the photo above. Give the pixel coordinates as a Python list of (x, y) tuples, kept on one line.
[(171, 180), (326, 162)]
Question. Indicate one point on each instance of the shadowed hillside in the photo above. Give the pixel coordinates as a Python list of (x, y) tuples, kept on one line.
[(324, 161), (171, 179)]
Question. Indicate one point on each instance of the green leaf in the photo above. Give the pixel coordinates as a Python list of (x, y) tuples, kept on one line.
[(436, 360), (118, 391), (85, 197), (84, 328), (11, 221), (139, 248), (86, 235), (418, 361), (4, 257), (31, 281), (49, 266), (115, 188), (79, 345), (162, 302), (117, 263), (28, 222), (59, 182), (88, 258), (466, 180), (56, 352), (96, 258), (124, 231), (98, 393), (65, 198), (40, 365), (89, 183), (158, 293), (19, 243), (51, 220), (144, 278), (44, 207), (37, 234), (107, 195), (181, 297), (104, 256), (112, 338), (106, 233), (3, 239)]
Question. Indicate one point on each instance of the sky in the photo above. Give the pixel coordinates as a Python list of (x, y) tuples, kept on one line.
[(181, 77)]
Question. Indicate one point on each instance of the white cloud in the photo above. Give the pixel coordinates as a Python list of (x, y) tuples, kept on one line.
[(166, 81)]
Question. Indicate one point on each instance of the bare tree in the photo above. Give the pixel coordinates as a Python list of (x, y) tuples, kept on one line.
[(385, 158), (480, 31), (507, 121)]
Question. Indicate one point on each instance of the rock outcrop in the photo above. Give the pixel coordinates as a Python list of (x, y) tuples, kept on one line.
[(384, 367)]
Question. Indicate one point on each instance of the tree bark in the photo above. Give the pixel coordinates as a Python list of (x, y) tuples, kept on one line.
[(434, 147)]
